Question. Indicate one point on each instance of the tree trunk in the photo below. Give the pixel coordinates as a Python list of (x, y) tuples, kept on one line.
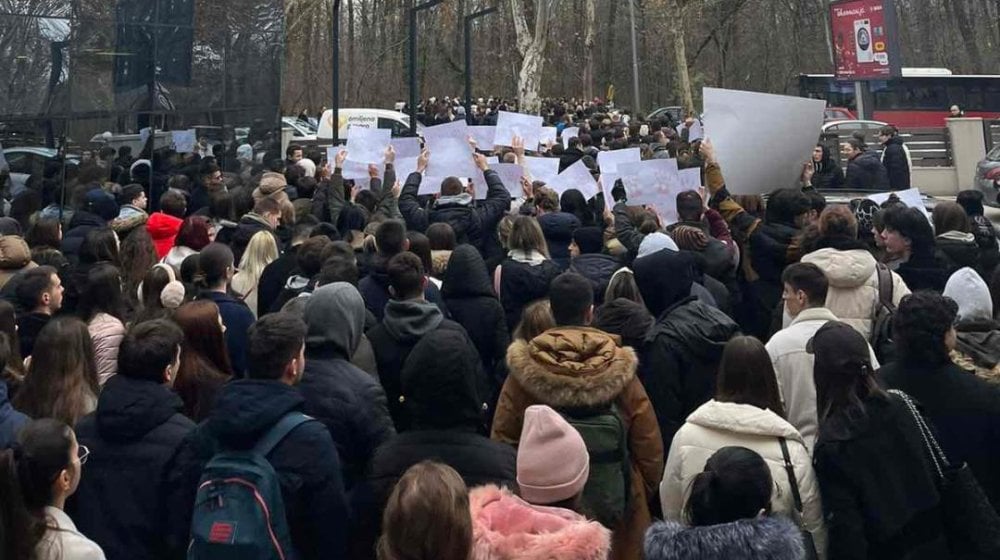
[(680, 54), (532, 49), (588, 48)]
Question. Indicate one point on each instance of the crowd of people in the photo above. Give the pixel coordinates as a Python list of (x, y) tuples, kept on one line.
[(209, 357)]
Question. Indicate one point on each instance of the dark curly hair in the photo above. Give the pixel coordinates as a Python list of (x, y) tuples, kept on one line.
[(920, 325), (913, 225)]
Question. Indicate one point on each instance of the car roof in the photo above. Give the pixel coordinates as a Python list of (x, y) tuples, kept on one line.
[(853, 121), (37, 150)]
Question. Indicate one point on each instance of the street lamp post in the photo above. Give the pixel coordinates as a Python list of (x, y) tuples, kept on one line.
[(635, 59), (468, 59), (413, 60), (335, 108)]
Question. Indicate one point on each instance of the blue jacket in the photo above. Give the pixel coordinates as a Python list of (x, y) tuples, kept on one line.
[(11, 421), (237, 318)]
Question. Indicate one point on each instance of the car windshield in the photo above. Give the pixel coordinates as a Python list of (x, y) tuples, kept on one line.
[(994, 154)]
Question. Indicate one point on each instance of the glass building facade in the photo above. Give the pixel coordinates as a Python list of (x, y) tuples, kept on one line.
[(80, 74)]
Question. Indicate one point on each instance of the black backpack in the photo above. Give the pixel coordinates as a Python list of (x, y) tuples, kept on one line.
[(881, 335)]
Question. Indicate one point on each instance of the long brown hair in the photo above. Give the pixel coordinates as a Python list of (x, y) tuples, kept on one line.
[(746, 376), (427, 516), (204, 359), (526, 235), (13, 364), (62, 377)]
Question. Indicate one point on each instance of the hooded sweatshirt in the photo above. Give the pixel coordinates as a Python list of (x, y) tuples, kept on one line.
[(163, 229), (335, 316), (978, 342)]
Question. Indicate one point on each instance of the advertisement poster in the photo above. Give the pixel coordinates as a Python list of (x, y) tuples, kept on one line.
[(864, 36)]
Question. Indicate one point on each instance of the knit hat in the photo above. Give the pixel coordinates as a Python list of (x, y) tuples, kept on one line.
[(589, 239), (552, 459), (270, 184), (654, 242), (101, 203), (864, 212), (689, 238)]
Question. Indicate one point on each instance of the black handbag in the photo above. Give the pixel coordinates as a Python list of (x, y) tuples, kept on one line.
[(971, 524), (807, 539)]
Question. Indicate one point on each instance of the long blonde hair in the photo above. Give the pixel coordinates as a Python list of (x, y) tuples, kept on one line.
[(260, 252)]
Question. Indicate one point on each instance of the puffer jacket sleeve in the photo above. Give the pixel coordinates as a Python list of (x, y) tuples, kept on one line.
[(497, 202), (671, 490), (106, 332), (899, 289), (645, 445), (509, 417), (409, 206), (812, 503)]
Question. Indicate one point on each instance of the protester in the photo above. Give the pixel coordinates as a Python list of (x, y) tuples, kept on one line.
[(11, 420), (746, 412), (576, 367), (956, 247), (133, 438), (204, 362), (826, 172), (964, 409), (390, 239), (983, 229), (39, 295), (348, 401), (879, 488), (557, 225), (427, 517), (215, 271), (36, 479), (193, 235), (977, 340), (864, 169), (261, 252), (552, 469), (910, 249), (526, 272), (729, 512), (103, 308), (305, 460), (163, 226)]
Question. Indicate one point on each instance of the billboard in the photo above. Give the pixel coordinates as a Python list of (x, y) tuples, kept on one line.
[(864, 36)]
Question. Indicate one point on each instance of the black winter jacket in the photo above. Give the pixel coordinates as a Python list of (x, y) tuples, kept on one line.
[(827, 174), (923, 272), (374, 288), (679, 360), (473, 222), (352, 406), (964, 408), (896, 165), (306, 462), (521, 284), (273, 279), (134, 437), (468, 293), (879, 492), (83, 222), (558, 228), (866, 172), (989, 249), (598, 268), (249, 225), (955, 250)]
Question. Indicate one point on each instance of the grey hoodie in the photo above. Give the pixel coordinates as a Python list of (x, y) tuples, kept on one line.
[(409, 320), (335, 317)]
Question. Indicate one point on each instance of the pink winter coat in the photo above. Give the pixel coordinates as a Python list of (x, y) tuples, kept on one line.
[(106, 332), (505, 527)]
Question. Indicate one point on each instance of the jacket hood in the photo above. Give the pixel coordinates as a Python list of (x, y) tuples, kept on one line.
[(699, 329), (335, 319), (844, 269), (14, 252), (664, 278), (654, 242), (971, 294), (505, 526), (129, 408), (466, 274), (251, 218), (297, 283), (572, 367), (438, 382), (85, 218), (462, 199), (767, 538), (163, 226), (959, 236), (246, 408), (743, 419), (408, 320)]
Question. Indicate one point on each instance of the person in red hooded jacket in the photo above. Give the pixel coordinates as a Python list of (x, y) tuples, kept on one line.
[(164, 225)]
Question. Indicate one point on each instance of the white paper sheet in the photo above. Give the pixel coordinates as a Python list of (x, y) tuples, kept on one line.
[(510, 174), (541, 168), (690, 178), (367, 145), (569, 133), (549, 134), (450, 152), (909, 197), (696, 132), (655, 182), (509, 125), (406, 147), (609, 161), (331, 156), (792, 126), (576, 176), (485, 136), (404, 167), (184, 140)]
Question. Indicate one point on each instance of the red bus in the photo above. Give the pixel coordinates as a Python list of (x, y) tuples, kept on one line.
[(921, 98)]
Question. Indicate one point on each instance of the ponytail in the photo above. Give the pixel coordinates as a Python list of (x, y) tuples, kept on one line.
[(736, 484)]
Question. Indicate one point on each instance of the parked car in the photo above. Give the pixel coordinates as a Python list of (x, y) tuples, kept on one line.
[(398, 123), (988, 176), (674, 112), (302, 131), (838, 114), (846, 127), (26, 160)]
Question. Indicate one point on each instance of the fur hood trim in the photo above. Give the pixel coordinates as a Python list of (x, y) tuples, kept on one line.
[(572, 367), (767, 538), (505, 527)]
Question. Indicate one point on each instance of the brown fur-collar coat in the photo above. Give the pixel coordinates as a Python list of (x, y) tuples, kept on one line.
[(578, 367)]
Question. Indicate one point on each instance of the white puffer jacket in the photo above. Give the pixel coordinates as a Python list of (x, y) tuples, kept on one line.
[(853, 290), (715, 425), (106, 333)]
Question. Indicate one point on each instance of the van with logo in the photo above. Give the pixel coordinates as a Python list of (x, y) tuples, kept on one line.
[(398, 123)]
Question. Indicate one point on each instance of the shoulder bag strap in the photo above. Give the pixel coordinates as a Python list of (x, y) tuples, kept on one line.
[(930, 443), (884, 285), (790, 471), (278, 432)]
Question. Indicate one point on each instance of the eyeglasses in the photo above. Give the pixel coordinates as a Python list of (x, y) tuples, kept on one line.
[(83, 454)]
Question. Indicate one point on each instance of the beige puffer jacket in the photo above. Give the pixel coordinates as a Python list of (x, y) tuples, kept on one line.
[(853, 288), (715, 425), (106, 332)]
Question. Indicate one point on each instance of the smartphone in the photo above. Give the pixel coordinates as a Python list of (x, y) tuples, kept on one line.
[(863, 40)]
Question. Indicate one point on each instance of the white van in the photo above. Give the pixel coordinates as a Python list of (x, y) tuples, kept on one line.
[(398, 123)]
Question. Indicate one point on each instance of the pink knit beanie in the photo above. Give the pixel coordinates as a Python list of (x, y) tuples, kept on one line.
[(552, 459)]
